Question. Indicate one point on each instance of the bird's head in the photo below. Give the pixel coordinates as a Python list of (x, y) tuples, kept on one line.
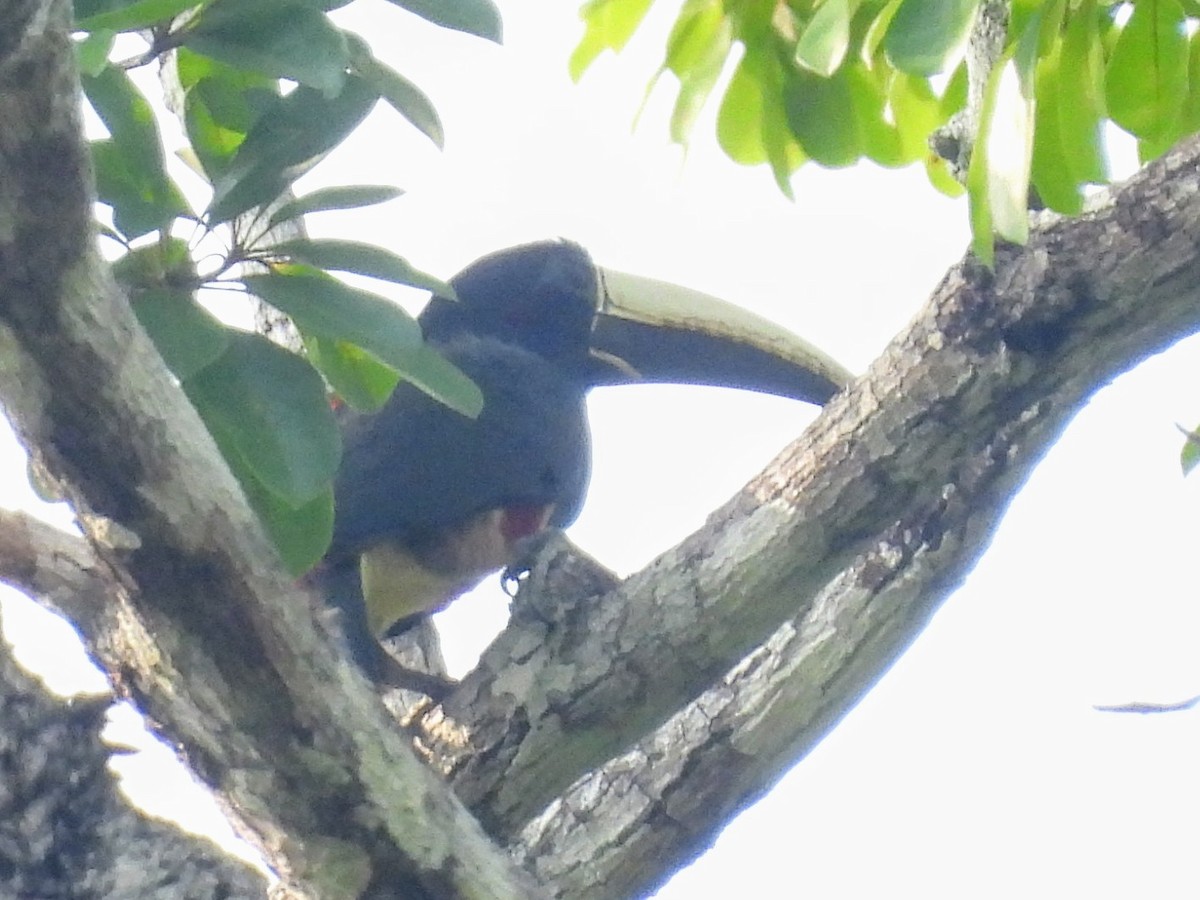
[(607, 327), (542, 297)]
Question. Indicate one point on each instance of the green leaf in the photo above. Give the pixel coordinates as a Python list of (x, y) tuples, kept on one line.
[(876, 32), (361, 259), (112, 234), (332, 198), (268, 410), (917, 112), (354, 374), (1147, 72), (926, 37), (92, 52), (1081, 111), (187, 336), (301, 533), (477, 17), (442, 380), (221, 105), (213, 143), (954, 97), (366, 383), (130, 173), (937, 170), (609, 25), (195, 68), (740, 118), (822, 45), (1009, 155), (1189, 115), (283, 38), (784, 153), (752, 123), (167, 263), (1026, 55), (1051, 173), (881, 141), (1053, 13), (1189, 455), (86, 9), (134, 16), (697, 48), (694, 92), (399, 93), (983, 241), (779, 145), (998, 177), (288, 140), (323, 306), (817, 115), (141, 200), (700, 33), (1155, 145), (127, 115)]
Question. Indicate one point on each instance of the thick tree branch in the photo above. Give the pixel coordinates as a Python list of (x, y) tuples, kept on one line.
[(58, 568), (835, 556), (54, 779), (235, 672)]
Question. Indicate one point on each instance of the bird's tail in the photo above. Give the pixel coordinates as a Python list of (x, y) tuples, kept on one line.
[(340, 584)]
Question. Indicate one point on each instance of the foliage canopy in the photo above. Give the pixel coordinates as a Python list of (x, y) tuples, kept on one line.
[(836, 81)]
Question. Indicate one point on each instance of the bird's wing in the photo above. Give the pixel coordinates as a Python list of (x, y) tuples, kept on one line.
[(416, 466)]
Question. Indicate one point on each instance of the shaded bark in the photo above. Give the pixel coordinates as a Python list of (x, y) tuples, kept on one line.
[(65, 829)]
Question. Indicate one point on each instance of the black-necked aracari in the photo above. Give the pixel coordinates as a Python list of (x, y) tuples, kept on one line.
[(428, 501)]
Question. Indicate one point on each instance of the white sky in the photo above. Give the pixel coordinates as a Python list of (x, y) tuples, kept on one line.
[(977, 767)]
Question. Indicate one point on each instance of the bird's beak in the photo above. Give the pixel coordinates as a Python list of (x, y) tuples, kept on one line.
[(662, 332)]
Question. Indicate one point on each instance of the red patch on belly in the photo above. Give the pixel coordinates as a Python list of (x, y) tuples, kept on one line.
[(520, 522)]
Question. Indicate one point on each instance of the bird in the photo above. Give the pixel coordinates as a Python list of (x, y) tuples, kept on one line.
[(428, 501)]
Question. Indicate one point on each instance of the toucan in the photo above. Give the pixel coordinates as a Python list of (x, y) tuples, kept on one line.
[(428, 501)]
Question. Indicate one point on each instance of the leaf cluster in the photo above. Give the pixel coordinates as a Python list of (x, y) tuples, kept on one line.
[(837, 81), (268, 89)]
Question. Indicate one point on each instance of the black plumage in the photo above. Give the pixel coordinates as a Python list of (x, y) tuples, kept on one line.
[(429, 501)]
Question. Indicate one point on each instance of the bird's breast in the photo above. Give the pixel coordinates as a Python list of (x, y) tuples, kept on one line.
[(425, 574)]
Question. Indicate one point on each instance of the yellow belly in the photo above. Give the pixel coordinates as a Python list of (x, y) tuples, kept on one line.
[(398, 582), (396, 585)]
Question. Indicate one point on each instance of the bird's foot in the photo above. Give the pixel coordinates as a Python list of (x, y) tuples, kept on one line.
[(531, 551)]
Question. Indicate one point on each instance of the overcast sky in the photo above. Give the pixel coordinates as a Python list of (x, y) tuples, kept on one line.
[(977, 767)]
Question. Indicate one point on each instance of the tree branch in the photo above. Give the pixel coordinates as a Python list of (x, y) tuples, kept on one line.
[(54, 778), (57, 568), (834, 557)]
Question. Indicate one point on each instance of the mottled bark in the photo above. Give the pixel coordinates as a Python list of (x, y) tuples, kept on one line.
[(65, 829), (752, 638)]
